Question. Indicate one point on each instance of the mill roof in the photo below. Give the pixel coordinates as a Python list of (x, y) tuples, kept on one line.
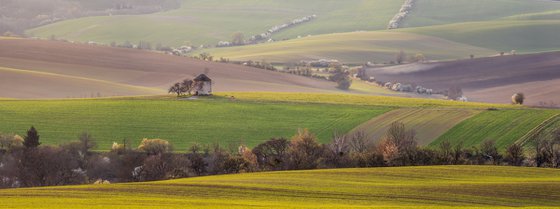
[(202, 77)]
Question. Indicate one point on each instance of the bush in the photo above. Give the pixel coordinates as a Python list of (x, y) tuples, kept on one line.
[(8, 142), (344, 84), (304, 151), (271, 154), (155, 146), (489, 150), (399, 146), (518, 98)]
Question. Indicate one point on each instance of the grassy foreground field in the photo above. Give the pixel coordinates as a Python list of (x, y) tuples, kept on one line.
[(399, 187), (181, 122)]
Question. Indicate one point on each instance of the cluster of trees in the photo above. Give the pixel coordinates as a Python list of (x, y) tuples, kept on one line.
[(342, 79), (403, 12), (24, 162), (401, 57), (182, 88)]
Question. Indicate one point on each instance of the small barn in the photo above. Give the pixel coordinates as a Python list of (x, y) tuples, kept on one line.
[(202, 85)]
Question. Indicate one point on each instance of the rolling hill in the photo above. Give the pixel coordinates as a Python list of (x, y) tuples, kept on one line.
[(354, 47), (47, 69), (493, 79), (182, 122), (400, 187), (440, 12), (209, 21), (249, 119), (441, 30), (524, 36), (441, 42)]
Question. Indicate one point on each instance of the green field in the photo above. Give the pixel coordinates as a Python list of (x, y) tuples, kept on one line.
[(524, 36), (181, 122), (354, 47), (397, 187), (429, 124), (250, 119), (441, 42), (209, 21), (504, 126)]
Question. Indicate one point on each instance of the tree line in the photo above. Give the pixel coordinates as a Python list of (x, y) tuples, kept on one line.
[(24, 162)]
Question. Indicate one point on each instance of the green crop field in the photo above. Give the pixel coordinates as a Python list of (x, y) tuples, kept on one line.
[(181, 122), (429, 124), (209, 21), (398, 187), (355, 47), (504, 126), (250, 119), (442, 42), (524, 36)]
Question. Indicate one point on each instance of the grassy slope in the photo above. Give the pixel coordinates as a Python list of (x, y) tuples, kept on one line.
[(429, 124), (252, 118), (438, 12), (504, 126), (452, 41), (402, 187), (524, 36), (209, 21), (356, 47), (181, 122)]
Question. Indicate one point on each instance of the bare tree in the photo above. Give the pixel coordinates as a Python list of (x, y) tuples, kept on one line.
[(446, 152), (489, 150), (399, 146), (401, 57), (187, 86), (359, 142), (514, 155), (176, 89), (272, 153)]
